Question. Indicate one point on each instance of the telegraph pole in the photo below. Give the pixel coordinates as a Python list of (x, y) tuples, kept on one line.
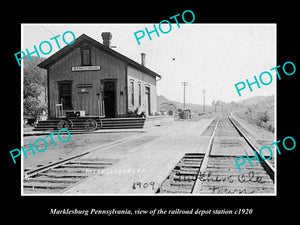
[(184, 83), (203, 91)]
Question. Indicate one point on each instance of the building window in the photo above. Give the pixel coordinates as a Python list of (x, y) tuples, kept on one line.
[(140, 94), (86, 57), (132, 92)]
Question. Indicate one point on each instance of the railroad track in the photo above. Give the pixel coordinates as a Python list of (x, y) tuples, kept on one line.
[(61, 175), (56, 177), (215, 172)]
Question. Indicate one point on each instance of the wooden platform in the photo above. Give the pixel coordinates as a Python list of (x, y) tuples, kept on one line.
[(79, 123), (122, 123), (155, 158)]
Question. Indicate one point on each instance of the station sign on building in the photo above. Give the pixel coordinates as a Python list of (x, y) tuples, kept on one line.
[(94, 80)]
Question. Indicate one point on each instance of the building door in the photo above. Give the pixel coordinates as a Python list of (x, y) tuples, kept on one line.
[(65, 94), (109, 97), (148, 102)]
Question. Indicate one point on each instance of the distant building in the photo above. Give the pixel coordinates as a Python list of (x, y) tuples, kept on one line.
[(168, 107), (91, 78)]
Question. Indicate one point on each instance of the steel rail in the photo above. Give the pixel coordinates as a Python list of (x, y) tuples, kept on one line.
[(64, 161), (265, 164), (197, 185)]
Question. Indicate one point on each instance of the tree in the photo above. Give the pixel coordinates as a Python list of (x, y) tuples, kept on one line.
[(218, 103), (250, 110), (221, 104), (34, 79), (214, 103), (262, 118), (30, 94), (232, 105)]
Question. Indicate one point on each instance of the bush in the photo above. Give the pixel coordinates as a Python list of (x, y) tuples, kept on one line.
[(263, 118), (30, 106), (271, 128), (250, 111)]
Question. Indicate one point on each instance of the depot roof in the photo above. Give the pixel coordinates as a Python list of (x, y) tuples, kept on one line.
[(84, 38)]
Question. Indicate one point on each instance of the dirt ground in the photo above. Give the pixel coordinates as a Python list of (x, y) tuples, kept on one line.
[(80, 143)]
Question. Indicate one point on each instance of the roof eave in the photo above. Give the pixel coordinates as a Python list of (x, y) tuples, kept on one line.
[(56, 56)]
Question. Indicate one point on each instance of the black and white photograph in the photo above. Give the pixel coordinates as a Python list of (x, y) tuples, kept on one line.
[(174, 114), (187, 112)]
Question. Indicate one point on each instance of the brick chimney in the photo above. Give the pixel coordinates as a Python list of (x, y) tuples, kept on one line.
[(143, 59), (106, 36)]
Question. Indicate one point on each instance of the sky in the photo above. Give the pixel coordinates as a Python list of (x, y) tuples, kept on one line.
[(211, 57)]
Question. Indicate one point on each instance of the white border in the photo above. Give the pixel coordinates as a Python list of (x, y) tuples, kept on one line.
[(112, 195)]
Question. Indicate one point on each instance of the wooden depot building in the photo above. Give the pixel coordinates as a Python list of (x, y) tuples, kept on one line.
[(90, 79)]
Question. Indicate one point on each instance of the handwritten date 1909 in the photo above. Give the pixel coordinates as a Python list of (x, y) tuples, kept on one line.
[(143, 185)]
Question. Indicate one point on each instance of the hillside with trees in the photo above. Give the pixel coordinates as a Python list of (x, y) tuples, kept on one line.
[(164, 105), (34, 87)]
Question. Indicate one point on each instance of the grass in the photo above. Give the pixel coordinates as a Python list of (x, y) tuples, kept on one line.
[(261, 115)]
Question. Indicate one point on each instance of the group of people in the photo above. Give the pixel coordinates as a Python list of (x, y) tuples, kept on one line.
[(138, 112)]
